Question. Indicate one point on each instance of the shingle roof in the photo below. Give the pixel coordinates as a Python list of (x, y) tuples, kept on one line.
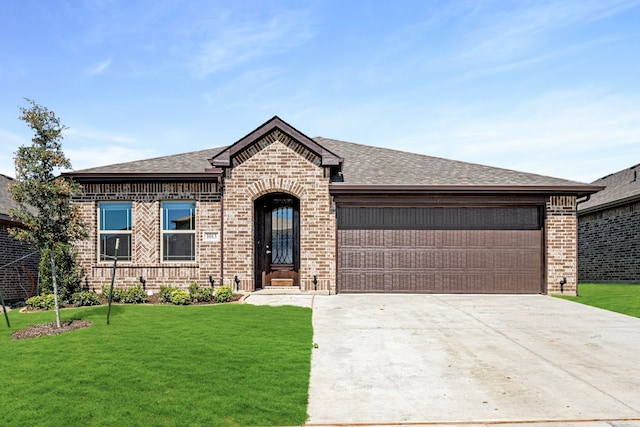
[(366, 165), (6, 202), (191, 162), (621, 187), (363, 165)]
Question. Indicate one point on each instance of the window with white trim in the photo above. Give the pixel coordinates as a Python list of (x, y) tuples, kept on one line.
[(178, 231), (114, 223)]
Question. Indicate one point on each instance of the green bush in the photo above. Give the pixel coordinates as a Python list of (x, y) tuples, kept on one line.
[(199, 294), (85, 298), (180, 297), (204, 295), (117, 293), (41, 302), (134, 295), (165, 293), (223, 294)]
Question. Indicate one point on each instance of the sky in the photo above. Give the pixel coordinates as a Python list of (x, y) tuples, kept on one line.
[(548, 87)]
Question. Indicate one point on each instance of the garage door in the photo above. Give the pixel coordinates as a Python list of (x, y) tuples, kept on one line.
[(440, 250)]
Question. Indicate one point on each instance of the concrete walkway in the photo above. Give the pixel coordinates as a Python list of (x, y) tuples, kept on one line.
[(471, 360)]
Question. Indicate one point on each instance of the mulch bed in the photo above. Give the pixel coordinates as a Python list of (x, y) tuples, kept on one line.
[(49, 329), (35, 331)]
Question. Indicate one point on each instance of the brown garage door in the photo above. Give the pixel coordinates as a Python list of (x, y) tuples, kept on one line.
[(440, 250)]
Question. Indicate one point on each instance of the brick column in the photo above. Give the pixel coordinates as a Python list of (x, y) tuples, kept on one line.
[(561, 244)]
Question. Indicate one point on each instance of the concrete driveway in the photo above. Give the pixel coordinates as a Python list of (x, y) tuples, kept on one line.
[(405, 359)]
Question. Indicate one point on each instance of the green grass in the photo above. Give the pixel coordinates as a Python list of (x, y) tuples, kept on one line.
[(621, 298), (217, 365)]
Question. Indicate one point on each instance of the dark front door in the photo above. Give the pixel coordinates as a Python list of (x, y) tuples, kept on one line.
[(277, 240)]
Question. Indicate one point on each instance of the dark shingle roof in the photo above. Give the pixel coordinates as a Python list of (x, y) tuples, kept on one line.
[(366, 165), (363, 165), (192, 162), (621, 187), (6, 202)]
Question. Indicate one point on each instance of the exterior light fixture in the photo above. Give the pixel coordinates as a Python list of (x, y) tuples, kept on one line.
[(144, 283)]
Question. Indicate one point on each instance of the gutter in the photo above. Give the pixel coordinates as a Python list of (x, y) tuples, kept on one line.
[(350, 189), (87, 177)]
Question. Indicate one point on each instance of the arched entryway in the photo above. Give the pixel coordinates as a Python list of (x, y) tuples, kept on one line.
[(277, 240)]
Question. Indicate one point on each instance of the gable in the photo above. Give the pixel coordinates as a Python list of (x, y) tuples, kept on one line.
[(275, 130)]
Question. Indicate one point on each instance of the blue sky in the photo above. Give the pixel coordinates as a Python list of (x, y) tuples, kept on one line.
[(550, 87)]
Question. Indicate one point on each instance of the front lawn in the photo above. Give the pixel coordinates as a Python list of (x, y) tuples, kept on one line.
[(210, 365), (621, 298)]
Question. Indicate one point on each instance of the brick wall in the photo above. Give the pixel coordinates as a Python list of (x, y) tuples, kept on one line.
[(146, 198), (278, 167), (609, 244), (19, 278), (561, 247)]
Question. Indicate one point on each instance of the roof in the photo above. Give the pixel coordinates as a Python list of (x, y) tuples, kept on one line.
[(362, 166), (620, 188), (223, 159), (6, 201)]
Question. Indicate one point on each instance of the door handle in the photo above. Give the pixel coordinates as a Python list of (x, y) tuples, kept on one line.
[(268, 252)]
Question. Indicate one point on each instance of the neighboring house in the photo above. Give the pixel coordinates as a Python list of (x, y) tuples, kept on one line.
[(18, 260), (609, 230), (278, 208)]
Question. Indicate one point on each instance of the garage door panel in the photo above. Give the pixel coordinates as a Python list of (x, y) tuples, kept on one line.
[(440, 261)]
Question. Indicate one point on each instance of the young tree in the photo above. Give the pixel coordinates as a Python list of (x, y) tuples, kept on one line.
[(51, 221)]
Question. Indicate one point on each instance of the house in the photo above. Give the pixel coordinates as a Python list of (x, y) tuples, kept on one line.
[(609, 230), (277, 208), (18, 260)]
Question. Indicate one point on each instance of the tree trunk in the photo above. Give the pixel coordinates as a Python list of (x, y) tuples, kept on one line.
[(55, 285)]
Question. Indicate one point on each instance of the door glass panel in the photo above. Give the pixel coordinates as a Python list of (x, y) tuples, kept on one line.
[(282, 232)]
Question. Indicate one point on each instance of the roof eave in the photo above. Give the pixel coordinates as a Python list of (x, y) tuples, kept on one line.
[(578, 190), (608, 205), (88, 178)]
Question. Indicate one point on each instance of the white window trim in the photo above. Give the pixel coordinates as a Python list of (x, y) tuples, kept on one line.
[(122, 232), (163, 231)]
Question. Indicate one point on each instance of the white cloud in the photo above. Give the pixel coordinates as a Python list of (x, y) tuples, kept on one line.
[(100, 67), (243, 42)]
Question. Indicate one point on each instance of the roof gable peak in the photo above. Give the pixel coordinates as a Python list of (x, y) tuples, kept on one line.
[(273, 126)]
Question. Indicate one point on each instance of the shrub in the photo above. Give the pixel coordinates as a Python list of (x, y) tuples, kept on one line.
[(165, 293), (117, 293), (204, 295), (134, 295), (199, 294), (223, 294), (41, 302), (180, 297), (85, 298)]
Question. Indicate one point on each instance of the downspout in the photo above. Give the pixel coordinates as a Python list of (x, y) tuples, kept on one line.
[(221, 233), (586, 199)]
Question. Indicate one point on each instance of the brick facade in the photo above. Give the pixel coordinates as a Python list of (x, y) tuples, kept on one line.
[(609, 249), (18, 267), (279, 168), (145, 261), (561, 244)]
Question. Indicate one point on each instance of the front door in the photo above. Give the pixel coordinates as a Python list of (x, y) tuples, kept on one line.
[(277, 240)]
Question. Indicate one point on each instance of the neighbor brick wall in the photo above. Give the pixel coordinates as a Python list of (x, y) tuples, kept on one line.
[(146, 198), (609, 244), (279, 167), (561, 243), (17, 279)]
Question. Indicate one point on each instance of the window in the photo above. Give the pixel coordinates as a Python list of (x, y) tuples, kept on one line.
[(178, 231), (115, 223)]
